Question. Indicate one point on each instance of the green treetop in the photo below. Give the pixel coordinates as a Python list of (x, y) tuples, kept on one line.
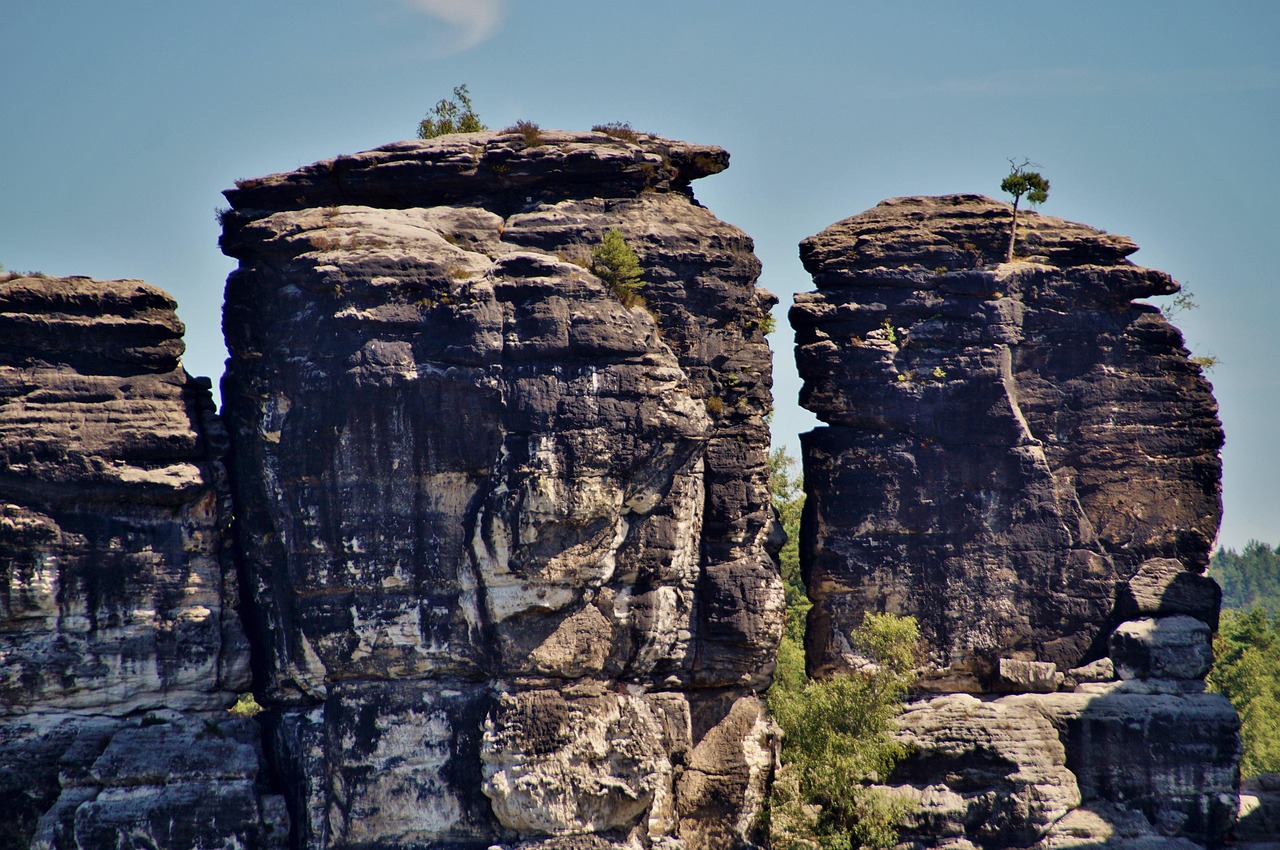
[(1022, 182)]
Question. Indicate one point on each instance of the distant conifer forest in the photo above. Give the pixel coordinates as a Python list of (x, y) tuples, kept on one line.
[(1246, 650)]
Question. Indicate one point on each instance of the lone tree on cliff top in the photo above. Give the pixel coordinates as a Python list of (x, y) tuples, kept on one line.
[(1023, 182)]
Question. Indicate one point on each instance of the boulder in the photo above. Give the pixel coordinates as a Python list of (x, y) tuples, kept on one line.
[(1259, 817), (1170, 759), (1178, 647), (994, 773), (1164, 587), (1047, 770), (1102, 670), (1018, 677)]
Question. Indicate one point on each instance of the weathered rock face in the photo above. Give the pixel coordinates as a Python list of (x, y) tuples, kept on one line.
[(1104, 763), (506, 537), (1027, 461), (119, 637), (1009, 444)]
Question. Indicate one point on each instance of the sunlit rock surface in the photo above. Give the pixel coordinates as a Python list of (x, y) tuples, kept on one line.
[(120, 645), (506, 537), (1026, 459)]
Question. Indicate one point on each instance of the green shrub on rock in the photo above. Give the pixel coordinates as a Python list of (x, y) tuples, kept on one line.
[(451, 116), (837, 741), (620, 130), (614, 262), (529, 131)]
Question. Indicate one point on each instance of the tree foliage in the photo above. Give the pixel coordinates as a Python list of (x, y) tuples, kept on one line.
[(837, 741), (787, 489), (1018, 183), (451, 115), (837, 737), (1246, 670), (1249, 578), (614, 262)]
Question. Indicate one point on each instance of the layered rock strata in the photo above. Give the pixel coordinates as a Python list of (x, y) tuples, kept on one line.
[(1026, 459), (120, 645), (507, 539)]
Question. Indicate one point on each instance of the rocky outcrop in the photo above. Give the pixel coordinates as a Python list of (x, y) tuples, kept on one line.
[(1025, 459), (1112, 763), (1012, 448), (120, 645), (507, 539)]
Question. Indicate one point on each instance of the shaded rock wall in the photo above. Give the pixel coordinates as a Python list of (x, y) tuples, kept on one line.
[(506, 539), (1026, 460), (120, 645)]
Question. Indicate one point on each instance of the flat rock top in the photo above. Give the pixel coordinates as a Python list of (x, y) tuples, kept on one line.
[(81, 320), (460, 167), (93, 399), (81, 295), (954, 232)]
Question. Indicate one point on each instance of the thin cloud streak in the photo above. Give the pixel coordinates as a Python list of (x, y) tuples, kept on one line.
[(473, 21)]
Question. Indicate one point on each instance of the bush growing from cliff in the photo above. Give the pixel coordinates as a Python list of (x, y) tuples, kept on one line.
[(837, 741), (1022, 182), (451, 115), (246, 706), (527, 130), (614, 262), (620, 130)]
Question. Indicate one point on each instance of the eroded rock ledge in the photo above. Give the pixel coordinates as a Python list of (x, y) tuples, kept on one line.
[(507, 539), (1026, 459)]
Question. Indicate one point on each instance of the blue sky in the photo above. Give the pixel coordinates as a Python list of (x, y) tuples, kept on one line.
[(121, 122)]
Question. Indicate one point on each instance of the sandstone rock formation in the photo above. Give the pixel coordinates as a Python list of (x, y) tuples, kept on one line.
[(120, 645), (507, 539), (1026, 460), (1013, 448)]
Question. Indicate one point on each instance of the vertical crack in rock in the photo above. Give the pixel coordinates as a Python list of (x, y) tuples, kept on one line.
[(120, 643), (492, 514), (1024, 458)]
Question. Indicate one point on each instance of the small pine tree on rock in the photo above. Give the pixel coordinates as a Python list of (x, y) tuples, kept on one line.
[(614, 262)]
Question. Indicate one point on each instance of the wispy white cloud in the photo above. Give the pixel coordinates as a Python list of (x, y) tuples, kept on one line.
[(471, 21)]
